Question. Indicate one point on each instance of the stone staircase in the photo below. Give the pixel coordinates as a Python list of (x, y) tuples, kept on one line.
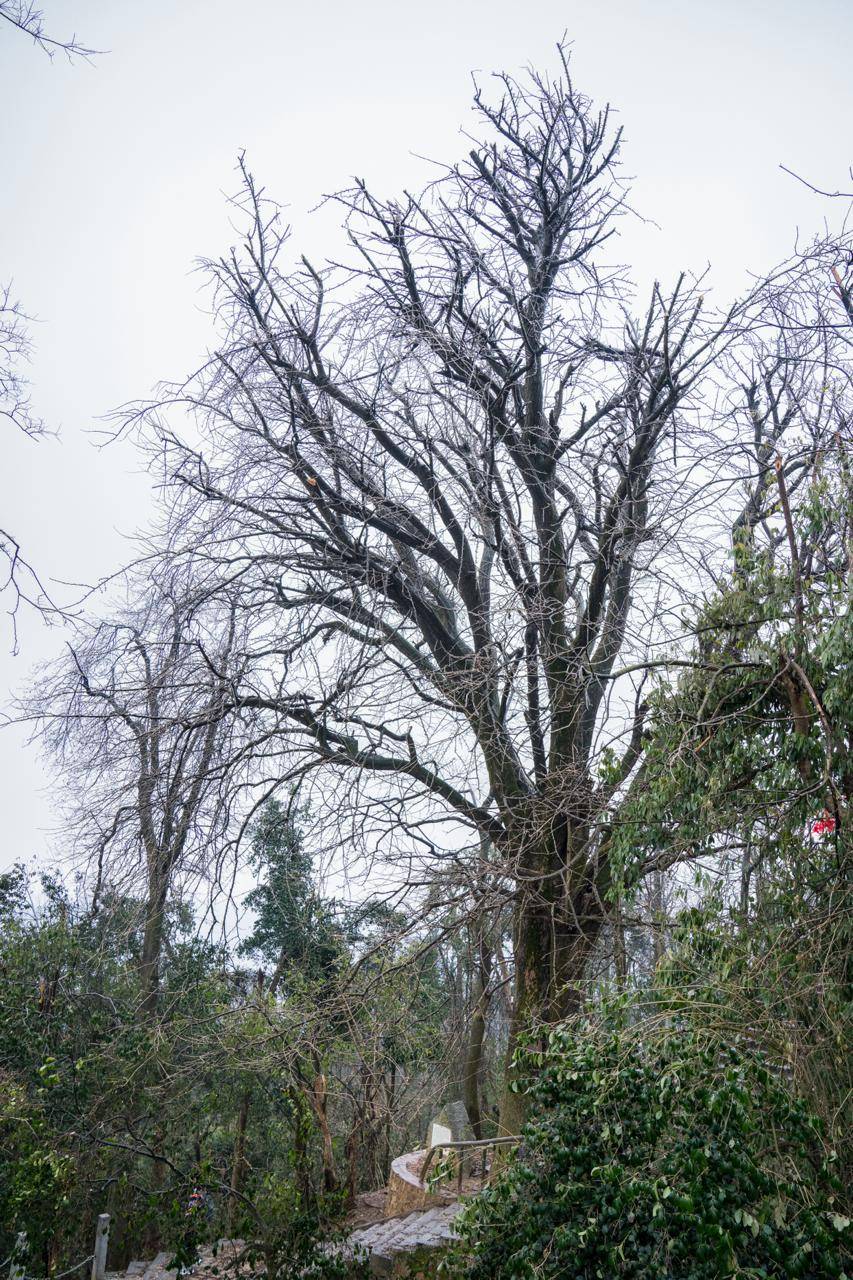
[(139, 1269), (155, 1269), (394, 1246), (401, 1230)]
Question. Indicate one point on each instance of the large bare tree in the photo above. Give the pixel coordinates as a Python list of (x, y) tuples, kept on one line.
[(459, 483)]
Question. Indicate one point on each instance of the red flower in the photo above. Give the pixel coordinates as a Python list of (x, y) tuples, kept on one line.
[(824, 825)]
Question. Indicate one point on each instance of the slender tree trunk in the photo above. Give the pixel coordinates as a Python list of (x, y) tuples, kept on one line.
[(620, 950), (658, 918), (152, 1237), (473, 1069), (152, 943), (353, 1149), (302, 1162), (318, 1097), (390, 1099), (239, 1165)]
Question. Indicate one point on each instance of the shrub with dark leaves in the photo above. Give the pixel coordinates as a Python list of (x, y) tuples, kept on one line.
[(680, 1159)]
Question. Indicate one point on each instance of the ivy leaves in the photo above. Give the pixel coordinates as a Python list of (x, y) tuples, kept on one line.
[(676, 1159)]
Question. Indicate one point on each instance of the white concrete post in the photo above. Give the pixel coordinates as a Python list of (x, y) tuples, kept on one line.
[(102, 1235)]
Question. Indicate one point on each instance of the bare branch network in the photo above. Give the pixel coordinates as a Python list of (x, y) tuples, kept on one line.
[(453, 497), (30, 20)]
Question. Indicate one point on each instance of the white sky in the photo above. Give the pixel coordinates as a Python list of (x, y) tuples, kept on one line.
[(113, 181)]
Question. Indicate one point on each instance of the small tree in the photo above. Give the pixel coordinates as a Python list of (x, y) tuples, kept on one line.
[(293, 926), (133, 716)]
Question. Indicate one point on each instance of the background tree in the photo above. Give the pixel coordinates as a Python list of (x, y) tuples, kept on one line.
[(133, 718), (293, 926)]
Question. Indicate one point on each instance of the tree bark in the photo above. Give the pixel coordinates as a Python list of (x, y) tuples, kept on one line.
[(318, 1097), (390, 1100), (152, 945), (473, 1069), (620, 950), (658, 918), (302, 1163), (239, 1165), (550, 962)]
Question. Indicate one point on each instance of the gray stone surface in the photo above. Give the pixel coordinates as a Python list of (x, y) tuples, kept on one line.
[(460, 1125), (156, 1269), (453, 1116), (389, 1241)]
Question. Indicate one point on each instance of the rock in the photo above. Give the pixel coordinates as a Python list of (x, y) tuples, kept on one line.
[(450, 1125)]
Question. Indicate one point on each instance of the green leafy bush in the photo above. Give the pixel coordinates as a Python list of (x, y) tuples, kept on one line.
[(35, 1179), (676, 1159)]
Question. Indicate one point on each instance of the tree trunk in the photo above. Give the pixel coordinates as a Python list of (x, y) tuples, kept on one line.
[(152, 944), (152, 1236), (620, 950), (318, 1097), (302, 1160), (658, 917), (353, 1148), (239, 1165), (473, 1069), (550, 962), (390, 1100)]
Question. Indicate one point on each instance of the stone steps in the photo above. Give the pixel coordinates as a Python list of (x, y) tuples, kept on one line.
[(146, 1269), (389, 1243), (157, 1270)]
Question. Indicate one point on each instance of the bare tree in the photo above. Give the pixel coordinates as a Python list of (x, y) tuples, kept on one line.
[(22, 584), (133, 718), (460, 485), (19, 583)]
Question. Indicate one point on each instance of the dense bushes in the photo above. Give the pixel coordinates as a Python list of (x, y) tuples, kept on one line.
[(682, 1158), (103, 1110)]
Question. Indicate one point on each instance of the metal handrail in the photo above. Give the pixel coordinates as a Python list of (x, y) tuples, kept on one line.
[(483, 1143)]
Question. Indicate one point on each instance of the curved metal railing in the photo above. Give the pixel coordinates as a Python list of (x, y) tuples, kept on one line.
[(464, 1147)]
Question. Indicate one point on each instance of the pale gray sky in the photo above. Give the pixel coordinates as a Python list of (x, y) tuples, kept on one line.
[(113, 181)]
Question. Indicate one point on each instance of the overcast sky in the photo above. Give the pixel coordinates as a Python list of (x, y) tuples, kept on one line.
[(114, 179)]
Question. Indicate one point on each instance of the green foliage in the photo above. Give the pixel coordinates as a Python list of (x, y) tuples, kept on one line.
[(754, 742), (679, 1158), (35, 1180), (103, 1111), (301, 1242), (294, 926), (780, 977), (747, 770), (84, 1083)]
